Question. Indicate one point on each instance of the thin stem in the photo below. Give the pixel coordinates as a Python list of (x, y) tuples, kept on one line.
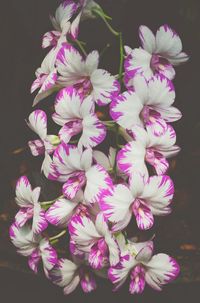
[(121, 57), (102, 16), (80, 45), (50, 202), (62, 233)]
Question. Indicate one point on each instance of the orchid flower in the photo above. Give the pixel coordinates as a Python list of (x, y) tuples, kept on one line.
[(47, 143), (149, 105), (158, 54), (46, 77), (74, 168), (62, 25), (68, 274), (77, 115), (85, 76), (141, 198), (143, 267), (149, 148), (94, 239), (34, 247), (27, 200)]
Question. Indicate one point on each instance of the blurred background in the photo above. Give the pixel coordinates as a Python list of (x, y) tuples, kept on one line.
[(23, 23)]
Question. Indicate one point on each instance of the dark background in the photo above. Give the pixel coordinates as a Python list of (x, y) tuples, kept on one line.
[(22, 25)]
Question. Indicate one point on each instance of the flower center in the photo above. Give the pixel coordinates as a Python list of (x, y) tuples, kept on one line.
[(84, 86), (149, 115), (158, 63)]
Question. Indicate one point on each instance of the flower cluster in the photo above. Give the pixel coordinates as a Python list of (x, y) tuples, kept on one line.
[(101, 192)]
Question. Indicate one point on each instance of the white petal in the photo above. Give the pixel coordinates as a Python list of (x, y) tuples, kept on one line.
[(92, 62), (158, 192), (126, 109), (147, 39), (60, 212), (83, 232), (24, 192), (97, 180), (38, 123), (161, 269), (168, 42), (64, 272), (115, 203), (23, 239)]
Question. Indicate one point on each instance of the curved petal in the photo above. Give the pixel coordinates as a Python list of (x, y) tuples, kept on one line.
[(94, 131), (125, 110), (39, 220), (138, 62), (158, 192), (23, 215), (170, 114), (66, 160), (97, 180), (64, 272), (161, 92), (92, 62), (23, 238), (50, 39), (131, 159), (38, 123), (33, 260), (70, 65), (48, 254), (104, 86), (143, 215), (83, 232), (115, 203), (168, 43), (147, 39), (161, 269), (120, 272), (24, 192), (60, 212)]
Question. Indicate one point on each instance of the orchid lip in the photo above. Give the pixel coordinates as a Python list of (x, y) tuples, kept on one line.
[(158, 63)]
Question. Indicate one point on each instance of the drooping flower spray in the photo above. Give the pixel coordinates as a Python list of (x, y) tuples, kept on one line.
[(102, 190)]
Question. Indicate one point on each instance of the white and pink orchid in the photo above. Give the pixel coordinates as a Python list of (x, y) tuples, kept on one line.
[(143, 267), (158, 54), (76, 114), (46, 77), (62, 25), (47, 143), (85, 76), (34, 247), (30, 208), (147, 148), (95, 239), (141, 198), (68, 275), (101, 158), (74, 168), (149, 105)]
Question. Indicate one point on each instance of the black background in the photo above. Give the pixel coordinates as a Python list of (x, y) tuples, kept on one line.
[(22, 25)]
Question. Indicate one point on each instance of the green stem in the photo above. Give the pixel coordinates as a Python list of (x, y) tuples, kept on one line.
[(62, 233), (117, 147), (80, 45), (102, 16), (121, 57), (46, 203)]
